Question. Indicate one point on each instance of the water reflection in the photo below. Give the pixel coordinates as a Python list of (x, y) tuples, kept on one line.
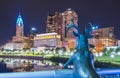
[(23, 65)]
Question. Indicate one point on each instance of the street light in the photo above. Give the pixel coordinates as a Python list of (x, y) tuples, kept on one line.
[(32, 32), (33, 29), (93, 27)]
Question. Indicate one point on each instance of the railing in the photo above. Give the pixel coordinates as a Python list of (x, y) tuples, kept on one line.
[(104, 73)]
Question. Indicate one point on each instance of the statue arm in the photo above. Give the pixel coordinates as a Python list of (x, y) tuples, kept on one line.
[(69, 62)]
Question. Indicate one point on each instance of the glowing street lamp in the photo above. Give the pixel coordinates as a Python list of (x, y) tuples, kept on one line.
[(33, 29), (94, 27)]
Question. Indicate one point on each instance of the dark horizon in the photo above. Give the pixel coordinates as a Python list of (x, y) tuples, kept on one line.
[(34, 13)]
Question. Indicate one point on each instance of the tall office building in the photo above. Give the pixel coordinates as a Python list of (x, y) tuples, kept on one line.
[(54, 23), (58, 23), (68, 15), (68, 37)]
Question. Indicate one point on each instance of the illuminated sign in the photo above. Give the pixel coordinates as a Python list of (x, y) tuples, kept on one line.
[(47, 36)]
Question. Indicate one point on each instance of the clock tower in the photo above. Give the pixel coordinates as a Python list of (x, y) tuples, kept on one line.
[(19, 26), (19, 30)]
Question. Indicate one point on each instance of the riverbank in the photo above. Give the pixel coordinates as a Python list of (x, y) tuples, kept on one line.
[(99, 62)]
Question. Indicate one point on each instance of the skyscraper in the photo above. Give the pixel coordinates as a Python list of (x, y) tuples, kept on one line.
[(54, 23), (67, 16), (58, 22), (68, 37)]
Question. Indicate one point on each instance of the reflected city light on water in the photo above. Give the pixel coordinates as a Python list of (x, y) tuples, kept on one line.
[(20, 65)]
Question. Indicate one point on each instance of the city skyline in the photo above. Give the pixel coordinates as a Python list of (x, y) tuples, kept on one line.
[(34, 14)]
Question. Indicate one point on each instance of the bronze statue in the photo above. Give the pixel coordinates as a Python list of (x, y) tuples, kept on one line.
[(82, 58)]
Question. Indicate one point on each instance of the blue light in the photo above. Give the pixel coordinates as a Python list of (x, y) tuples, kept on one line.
[(19, 21), (96, 27), (93, 28)]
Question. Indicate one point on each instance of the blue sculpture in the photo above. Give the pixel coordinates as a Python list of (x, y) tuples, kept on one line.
[(82, 59)]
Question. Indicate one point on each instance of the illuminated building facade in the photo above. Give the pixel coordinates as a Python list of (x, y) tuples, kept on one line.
[(67, 16), (19, 30), (106, 32), (58, 23), (54, 23), (17, 42), (103, 37), (14, 46), (48, 40), (68, 37)]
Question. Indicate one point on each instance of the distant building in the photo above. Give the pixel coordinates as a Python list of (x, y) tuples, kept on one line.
[(67, 16), (106, 32), (58, 22), (14, 46), (19, 41), (19, 30), (68, 37), (103, 37), (48, 40), (54, 23)]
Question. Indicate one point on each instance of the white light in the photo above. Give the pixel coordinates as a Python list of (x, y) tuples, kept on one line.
[(68, 66), (60, 64), (118, 53), (93, 28), (71, 53), (72, 66), (33, 28), (46, 34), (69, 11), (112, 56), (100, 54), (62, 13), (96, 54)]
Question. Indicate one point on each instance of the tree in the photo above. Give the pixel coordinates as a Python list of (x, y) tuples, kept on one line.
[(117, 49), (57, 50), (109, 51), (72, 49), (105, 51), (63, 49), (92, 46)]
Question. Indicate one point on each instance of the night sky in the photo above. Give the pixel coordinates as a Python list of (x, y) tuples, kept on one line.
[(105, 13)]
